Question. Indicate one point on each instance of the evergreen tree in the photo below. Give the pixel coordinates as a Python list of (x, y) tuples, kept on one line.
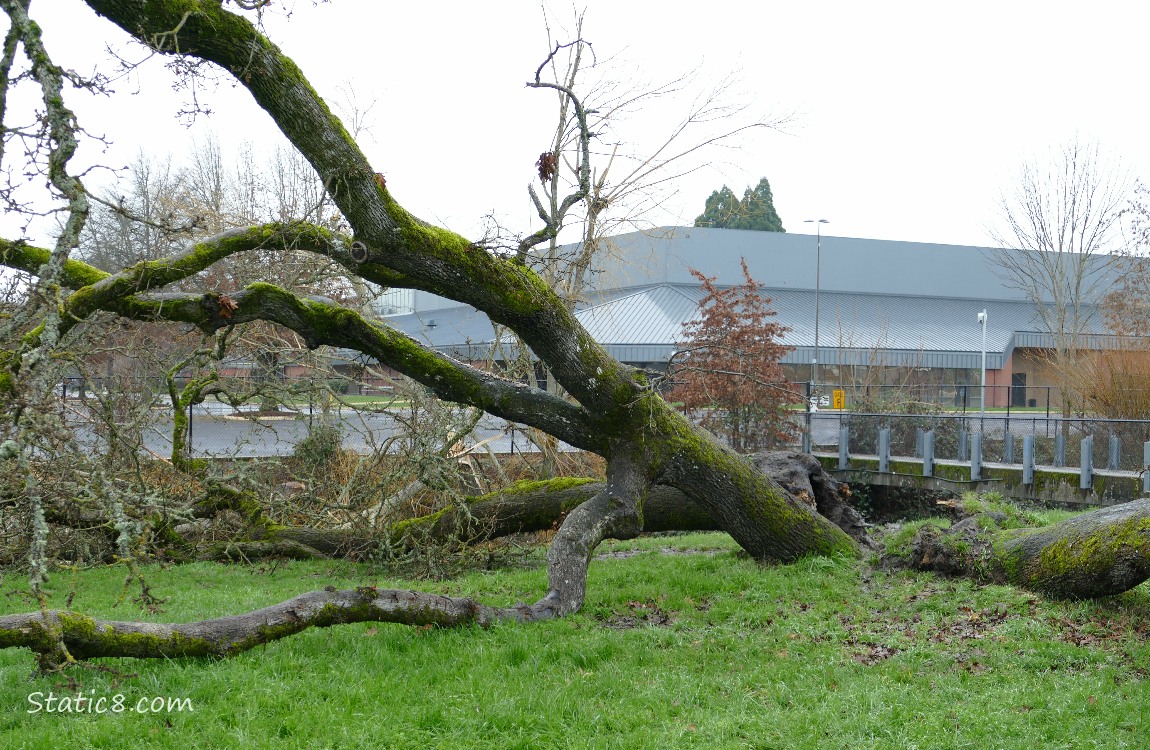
[(722, 207), (756, 211)]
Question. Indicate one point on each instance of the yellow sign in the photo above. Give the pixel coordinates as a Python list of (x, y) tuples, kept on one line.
[(840, 399)]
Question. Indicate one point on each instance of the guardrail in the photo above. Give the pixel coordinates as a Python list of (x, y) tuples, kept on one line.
[(1027, 451)]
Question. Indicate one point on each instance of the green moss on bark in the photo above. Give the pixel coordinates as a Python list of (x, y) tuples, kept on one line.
[(1096, 552), (525, 486), (85, 636)]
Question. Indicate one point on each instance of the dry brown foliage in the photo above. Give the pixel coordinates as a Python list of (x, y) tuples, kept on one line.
[(730, 379)]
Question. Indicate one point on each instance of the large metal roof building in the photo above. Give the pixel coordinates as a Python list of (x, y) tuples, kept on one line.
[(899, 304)]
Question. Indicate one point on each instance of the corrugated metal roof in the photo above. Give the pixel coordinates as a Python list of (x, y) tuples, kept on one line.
[(850, 322), (854, 321), (648, 316), (646, 325), (904, 303), (664, 255)]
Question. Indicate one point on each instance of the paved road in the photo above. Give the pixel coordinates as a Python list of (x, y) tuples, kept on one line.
[(216, 432), (826, 424)]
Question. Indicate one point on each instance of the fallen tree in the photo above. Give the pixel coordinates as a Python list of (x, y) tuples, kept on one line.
[(527, 506), (614, 410), (1100, 553), (532, 506)]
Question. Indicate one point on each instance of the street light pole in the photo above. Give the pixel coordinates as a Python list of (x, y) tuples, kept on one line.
[(982, 320), (818, 263)]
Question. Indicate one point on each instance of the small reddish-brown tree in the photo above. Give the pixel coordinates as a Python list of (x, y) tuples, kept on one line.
[(729, 377)]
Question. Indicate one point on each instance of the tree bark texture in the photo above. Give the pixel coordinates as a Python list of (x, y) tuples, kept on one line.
[(49, 633), (541, 506)]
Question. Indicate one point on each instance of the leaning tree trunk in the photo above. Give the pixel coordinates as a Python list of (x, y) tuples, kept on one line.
[(523, 507)]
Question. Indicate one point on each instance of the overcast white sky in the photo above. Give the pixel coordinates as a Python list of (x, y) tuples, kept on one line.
[(909, 117)]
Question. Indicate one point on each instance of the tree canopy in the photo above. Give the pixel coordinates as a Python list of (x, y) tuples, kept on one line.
[(756, 211)]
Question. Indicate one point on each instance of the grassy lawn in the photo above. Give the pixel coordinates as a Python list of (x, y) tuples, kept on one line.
[(682, 644)]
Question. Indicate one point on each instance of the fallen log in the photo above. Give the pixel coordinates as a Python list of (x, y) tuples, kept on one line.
[(533, 506), (1100, 553)]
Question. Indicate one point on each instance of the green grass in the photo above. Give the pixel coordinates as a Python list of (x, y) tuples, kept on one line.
[(704, 650)]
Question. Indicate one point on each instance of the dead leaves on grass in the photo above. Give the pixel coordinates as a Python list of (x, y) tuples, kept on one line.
[(889, 629), (638, 614)]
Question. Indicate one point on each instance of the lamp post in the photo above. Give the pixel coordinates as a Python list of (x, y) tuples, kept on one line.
[(818, 261), (982, 320)]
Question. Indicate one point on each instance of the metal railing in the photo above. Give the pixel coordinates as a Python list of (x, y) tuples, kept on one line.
[(1055, 441)]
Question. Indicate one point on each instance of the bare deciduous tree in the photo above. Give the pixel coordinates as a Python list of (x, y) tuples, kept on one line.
[(1060, 223), (598, 185)]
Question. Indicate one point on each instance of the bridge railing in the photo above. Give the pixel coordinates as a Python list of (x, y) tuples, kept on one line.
[(1031, 440)]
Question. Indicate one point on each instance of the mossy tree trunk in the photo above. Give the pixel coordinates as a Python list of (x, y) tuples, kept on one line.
[(531, 506), (1100, 553)]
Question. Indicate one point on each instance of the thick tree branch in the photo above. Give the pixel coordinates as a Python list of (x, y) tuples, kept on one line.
[(86, 637), (615, 511), (1100, 553), (319, 323), (432, 259), (324, 323)]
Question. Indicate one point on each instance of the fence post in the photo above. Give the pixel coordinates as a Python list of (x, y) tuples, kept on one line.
[(976, 456), (1085, 476), (928, 453), (1028, 460), (844, 448), (884, 450), (1146, 469), (1007, 447), (807, 437), (1114, 453), (1060, 450)]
